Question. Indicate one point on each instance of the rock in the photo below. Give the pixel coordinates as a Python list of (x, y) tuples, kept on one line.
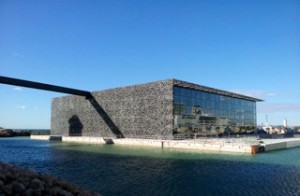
[(28, 192), (49, 180), (7, 189), (64, 193), (36, 184), (2, 177), (6, 133), (27, 182), (18, 187), (22, 133), (55, 190), (38, 193), (11, 133)]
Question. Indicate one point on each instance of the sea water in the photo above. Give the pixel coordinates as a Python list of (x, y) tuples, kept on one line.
[(125, 170)]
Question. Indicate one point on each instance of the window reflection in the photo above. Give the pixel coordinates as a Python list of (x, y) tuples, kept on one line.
[(201, 113)]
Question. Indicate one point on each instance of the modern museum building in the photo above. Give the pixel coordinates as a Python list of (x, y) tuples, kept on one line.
[(157, 110)]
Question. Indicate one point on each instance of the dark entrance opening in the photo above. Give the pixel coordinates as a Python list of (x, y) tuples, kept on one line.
[(75, 126)]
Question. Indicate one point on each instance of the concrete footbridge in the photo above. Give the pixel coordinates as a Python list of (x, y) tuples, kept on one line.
[(43, 86), (49, 87)]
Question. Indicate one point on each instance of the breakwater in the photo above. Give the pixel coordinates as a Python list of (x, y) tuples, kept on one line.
[(12, 133), (19, 181)]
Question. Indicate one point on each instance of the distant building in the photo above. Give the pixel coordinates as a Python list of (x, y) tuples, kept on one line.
[(285, 123), (163, 110)]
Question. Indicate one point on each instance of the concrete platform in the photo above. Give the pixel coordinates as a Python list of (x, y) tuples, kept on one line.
[(40, 137), (83, 139), (46, 137), (279, 144), (249, 145)]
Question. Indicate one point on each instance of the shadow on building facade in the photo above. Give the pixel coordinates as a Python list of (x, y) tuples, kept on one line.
[(75, 126), (112, 126)]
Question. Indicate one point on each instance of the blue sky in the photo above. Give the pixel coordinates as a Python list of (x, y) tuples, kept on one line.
[(249, 47)]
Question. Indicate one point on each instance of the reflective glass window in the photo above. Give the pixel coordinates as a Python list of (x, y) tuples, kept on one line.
[(216, 109)]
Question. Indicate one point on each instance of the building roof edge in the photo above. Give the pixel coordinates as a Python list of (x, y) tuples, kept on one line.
[(194, 86)]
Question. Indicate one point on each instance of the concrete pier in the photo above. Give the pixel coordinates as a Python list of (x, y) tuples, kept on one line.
[(220, 145), (230, 145), (83, 139), (46, 137), (278, 144), (40, 137)]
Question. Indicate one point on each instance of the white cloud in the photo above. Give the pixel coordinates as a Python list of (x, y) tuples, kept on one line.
[(261, 94), (21, 107), (17, 88), (277, 107)]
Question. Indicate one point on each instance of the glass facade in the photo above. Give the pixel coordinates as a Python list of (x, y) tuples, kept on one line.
[(201, 113)]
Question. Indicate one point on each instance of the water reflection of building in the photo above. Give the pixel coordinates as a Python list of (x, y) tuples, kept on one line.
[(160, 109)]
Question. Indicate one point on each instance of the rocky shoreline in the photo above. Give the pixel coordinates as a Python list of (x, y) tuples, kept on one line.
[(11, 133), (19, 181)]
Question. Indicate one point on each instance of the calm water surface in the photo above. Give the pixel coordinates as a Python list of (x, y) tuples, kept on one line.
[(113, 170)]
